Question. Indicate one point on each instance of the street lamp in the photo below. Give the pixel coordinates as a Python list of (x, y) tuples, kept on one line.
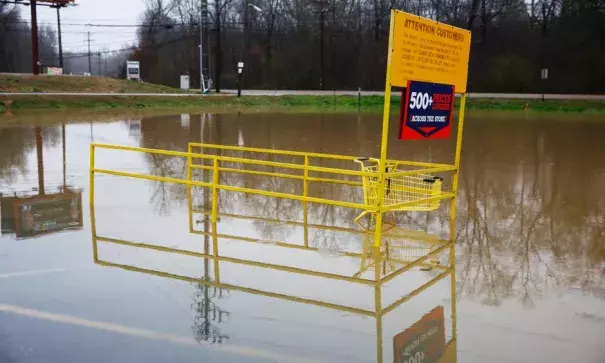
[(240, 65), (256, 8)]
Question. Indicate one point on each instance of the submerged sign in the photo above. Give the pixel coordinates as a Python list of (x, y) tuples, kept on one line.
[(422, 342), (47, 213), (426, 50), (426, 111)]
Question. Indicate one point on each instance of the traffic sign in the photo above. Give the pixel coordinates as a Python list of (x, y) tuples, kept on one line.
[(426, 111)]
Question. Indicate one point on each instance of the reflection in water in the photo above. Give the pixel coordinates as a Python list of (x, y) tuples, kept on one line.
[(16, 143), (544, 212), (531, 193), (420, 340), (29, 214), (530, 227), (209, 314)]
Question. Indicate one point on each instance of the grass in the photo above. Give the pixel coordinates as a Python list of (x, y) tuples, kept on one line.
[(44, 83), (370, 104), (225, 103)]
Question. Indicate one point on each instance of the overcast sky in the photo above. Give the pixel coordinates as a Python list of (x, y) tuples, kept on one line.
[(74, 18)]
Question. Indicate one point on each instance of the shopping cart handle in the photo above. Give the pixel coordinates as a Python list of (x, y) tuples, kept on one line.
[(432, 179)]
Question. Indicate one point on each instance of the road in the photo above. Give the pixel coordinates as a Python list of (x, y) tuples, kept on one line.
[(518, 96)]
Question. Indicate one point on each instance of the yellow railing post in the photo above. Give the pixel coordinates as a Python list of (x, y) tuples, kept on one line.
[(305, 195), (189, 197), (215, 192), (91, 203), (384, 138)]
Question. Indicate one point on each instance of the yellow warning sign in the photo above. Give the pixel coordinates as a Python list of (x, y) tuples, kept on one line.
[(425, 50)]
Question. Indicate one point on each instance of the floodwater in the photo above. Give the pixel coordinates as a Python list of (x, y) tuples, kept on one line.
[(530, 248)]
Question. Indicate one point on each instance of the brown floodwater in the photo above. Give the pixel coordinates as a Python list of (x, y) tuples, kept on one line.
[(530, 247)]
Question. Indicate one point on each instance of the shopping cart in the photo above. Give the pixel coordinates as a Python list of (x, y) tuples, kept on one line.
[(397, 189)]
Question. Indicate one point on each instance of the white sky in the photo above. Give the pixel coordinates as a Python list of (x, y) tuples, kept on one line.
[(93, 12)]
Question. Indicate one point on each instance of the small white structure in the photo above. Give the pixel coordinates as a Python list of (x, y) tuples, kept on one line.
[(133, 70), (185, 82)]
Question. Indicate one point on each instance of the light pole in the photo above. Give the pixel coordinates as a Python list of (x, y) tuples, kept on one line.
[(34, 25), (204, 39), (240, 65)]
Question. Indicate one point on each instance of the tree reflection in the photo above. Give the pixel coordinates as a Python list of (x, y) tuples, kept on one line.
[(533, 225), (16, 143), (209, 314), (530, 209)]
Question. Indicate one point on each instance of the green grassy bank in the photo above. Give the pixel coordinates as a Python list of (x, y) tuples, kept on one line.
[(372, 104), (44, 83)]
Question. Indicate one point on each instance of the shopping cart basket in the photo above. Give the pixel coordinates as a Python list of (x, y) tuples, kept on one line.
[(398, 188)]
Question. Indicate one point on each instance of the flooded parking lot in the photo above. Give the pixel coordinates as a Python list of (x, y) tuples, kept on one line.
[(530, 248)]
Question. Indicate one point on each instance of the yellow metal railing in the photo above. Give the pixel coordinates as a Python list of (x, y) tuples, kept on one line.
[(303, 171)]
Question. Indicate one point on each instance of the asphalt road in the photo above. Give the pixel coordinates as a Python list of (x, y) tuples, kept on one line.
[(520, 96)]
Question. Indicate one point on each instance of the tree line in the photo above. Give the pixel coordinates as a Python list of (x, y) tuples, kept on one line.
[(341, 44), (16, 42)]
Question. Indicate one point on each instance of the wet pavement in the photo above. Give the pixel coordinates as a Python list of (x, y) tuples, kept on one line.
[(530, 248)]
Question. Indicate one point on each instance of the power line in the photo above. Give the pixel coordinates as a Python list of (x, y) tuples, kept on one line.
[(158, 45)]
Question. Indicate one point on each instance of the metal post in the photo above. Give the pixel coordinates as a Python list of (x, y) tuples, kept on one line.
[(59, 36), (35, 54), (322, 83), (453, 210), (203, 39), (99, 63), (215, 191), (457, 165), (385, 137), (306, 194), (189, 197), (91, 203), (89, 64), (243, 51)]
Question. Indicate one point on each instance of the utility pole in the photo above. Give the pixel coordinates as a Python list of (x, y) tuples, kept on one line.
[(321, 48), (89, 64), (34, 20), (59, 35), (204, 73), (321, 8), (240, 70)]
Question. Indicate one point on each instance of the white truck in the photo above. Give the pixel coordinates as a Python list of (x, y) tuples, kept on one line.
[(133, 70)]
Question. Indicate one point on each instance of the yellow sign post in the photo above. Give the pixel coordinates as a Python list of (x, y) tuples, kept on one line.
[(422, 49)]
